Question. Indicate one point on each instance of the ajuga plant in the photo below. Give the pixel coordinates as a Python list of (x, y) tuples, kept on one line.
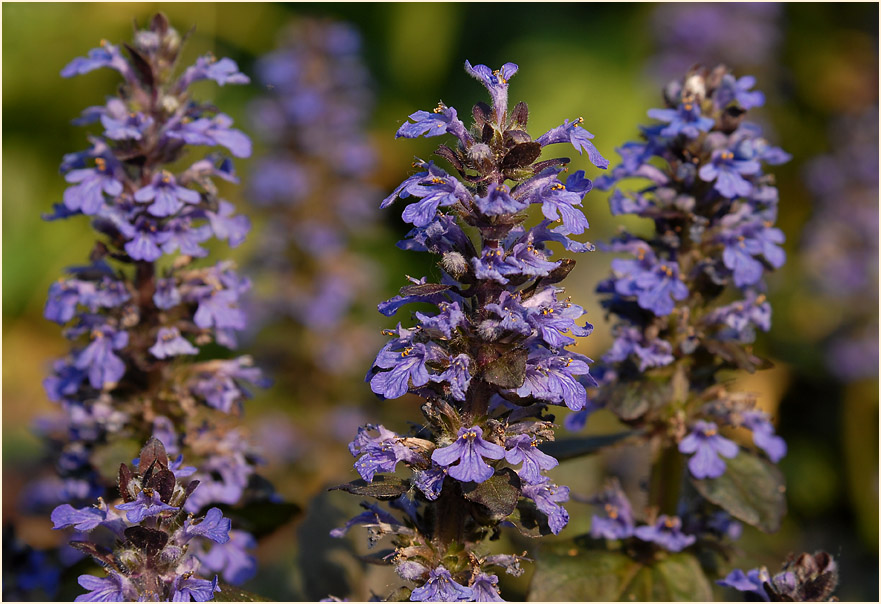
[(685, 304), (841, 243), (488, 359), (806, 578), (312, 188), (148, 544), (143, 316)]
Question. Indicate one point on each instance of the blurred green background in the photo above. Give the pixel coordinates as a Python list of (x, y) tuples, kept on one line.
[(575, 60)]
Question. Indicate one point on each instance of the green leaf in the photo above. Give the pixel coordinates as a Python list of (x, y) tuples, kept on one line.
[(499, 493), (751, 490), (384, 486), (630, 400), (571, 448), (508, 370), (231, 593), (572, 572)]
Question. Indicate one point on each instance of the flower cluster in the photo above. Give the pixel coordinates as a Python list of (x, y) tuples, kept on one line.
[(841, 241), (141, 312), (689, 298), (312, 186), (490, 356), (153, 542)]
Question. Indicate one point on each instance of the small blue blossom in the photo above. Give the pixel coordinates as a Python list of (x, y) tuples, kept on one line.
[(575, 133), (441, 587), (551, 378), (91, 184), (225, 71), (232, 559), (407, 364), (738, 90), (728, 171), (523, 448), (112, 588), (496, 82), (211, 132), (98, 358), (666, 532), (378, 454), (498, 201), (547, 497), (442, 120), (144, 506), (193, 589), (707, 445), (686, 120), (170, 343), (469, 450), (763, 435), (107, 55), (485, 588), (84, 519), (167, 196), (456, 375), (213, 526)]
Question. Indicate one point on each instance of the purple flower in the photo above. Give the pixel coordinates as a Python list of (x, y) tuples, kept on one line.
[(193, 589), (107, 55), (144, 506), (492, 265), (731, 90), (181, 234), (442, 120), (430, 481), (707, 445), (469, 450), (232, 559), (485, 588), (104, 367), (574, 132), (213, 526), (456, 375), (523, 448), (739, 318), (728, 171), (167, 196), (496, 83), (167, 295), (146, 241), (752, 582), (84, 519), (547, 497), (686, 120), (226, 226), (436, 188), (215, 131), (498, 201), (630, 340), (441, 587), (378, 454), (112, 588), (406, 364), (220, 309), (666, 532), (87, 195), (559, 201), (170, 343), (655, 284), (763, 435), (225, 71), (618, 520), (551, 378)]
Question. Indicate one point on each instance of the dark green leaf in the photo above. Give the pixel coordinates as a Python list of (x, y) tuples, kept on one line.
[(384, 486), (751, 489), (508, 370), (571, 448), (500, 493), (521, 155), (571, 572), (630, 400), (231, 593), (401, 594), (528, 520)]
